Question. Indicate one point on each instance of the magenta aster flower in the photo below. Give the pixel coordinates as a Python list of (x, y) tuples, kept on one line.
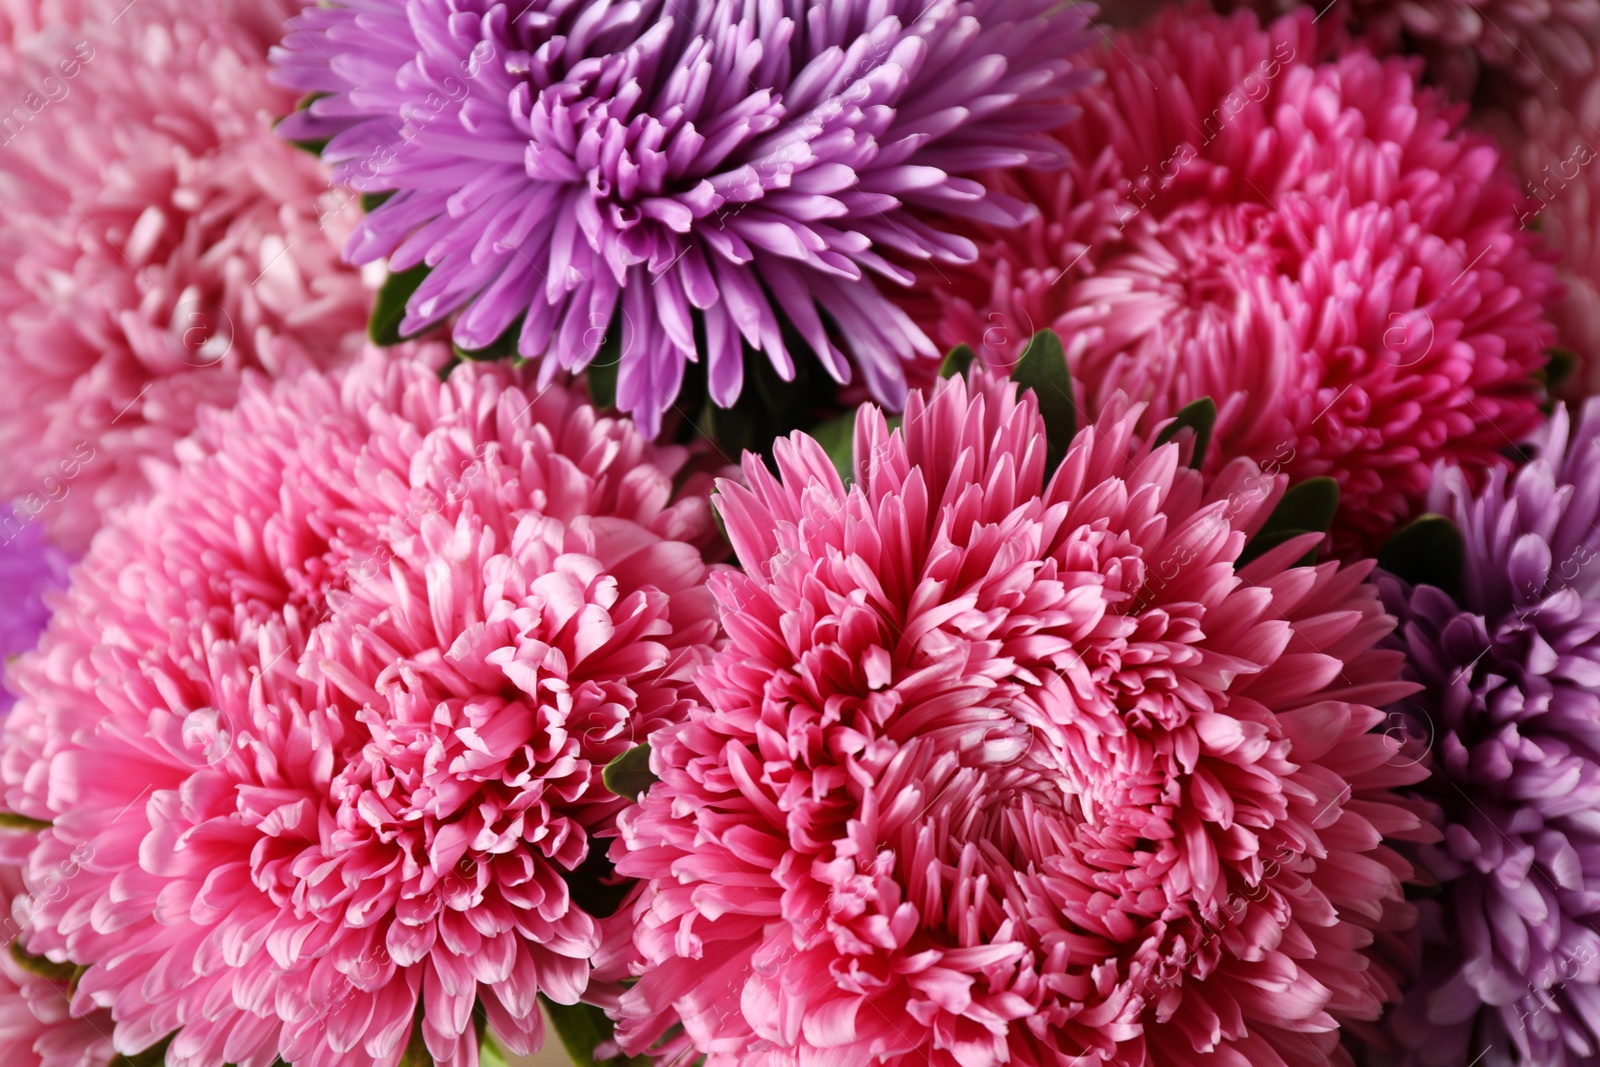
[(159, 240), (999, 771), (28, 568), (701, 173), (1510, 669), (37, 1028), (1316, 245), (330, 710)]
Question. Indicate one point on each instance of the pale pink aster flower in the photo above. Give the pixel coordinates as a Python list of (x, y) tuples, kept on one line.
[(37, 1028), (329, 711), (999, 771), (158, 240), (1318, 246)]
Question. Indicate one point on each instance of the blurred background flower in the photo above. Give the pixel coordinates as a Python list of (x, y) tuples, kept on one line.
[(1303, 234), (158, 241)]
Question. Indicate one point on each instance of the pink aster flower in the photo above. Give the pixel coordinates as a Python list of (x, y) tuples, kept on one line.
[(1316, 245), (37, 1028), (995, 770), (325, 726), (159, 239)]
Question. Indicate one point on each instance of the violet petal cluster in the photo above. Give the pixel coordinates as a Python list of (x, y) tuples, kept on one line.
[(708, 174), (1510, 954), (29, 568)]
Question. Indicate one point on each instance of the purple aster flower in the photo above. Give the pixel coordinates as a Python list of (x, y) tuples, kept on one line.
[(28, 567), (1509, 962), (703, 172)]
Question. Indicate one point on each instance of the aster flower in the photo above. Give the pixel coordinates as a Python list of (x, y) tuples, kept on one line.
[(330, 711), (37, 1028), (1554, 141), (999, 770), (1316, 245), (1508, 663), (159, 240), (28, 567), (21, 19), (698, 174), (1536, 44)]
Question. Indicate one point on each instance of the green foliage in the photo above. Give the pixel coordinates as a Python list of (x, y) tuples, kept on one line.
[(56, 972), (956, 361), (629, 774), (1042, 367), (837, 438), (1201, 417), (1428, 550), (390, 307), (581, 1028), (1306, 508), (602, 373)]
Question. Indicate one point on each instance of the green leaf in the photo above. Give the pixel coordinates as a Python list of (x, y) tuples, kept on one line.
[(581, 1028), (501, 347), (390, 308), (1267, 540), (1306, 508), (490, 1054), (1562, 362), (602, 373), (956, 361), (12, 821), (1201, 417), (629, 774), (56, 972), (837, 438), (1426, 551), (1310, 505), (1042, 367), (370, 202)]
